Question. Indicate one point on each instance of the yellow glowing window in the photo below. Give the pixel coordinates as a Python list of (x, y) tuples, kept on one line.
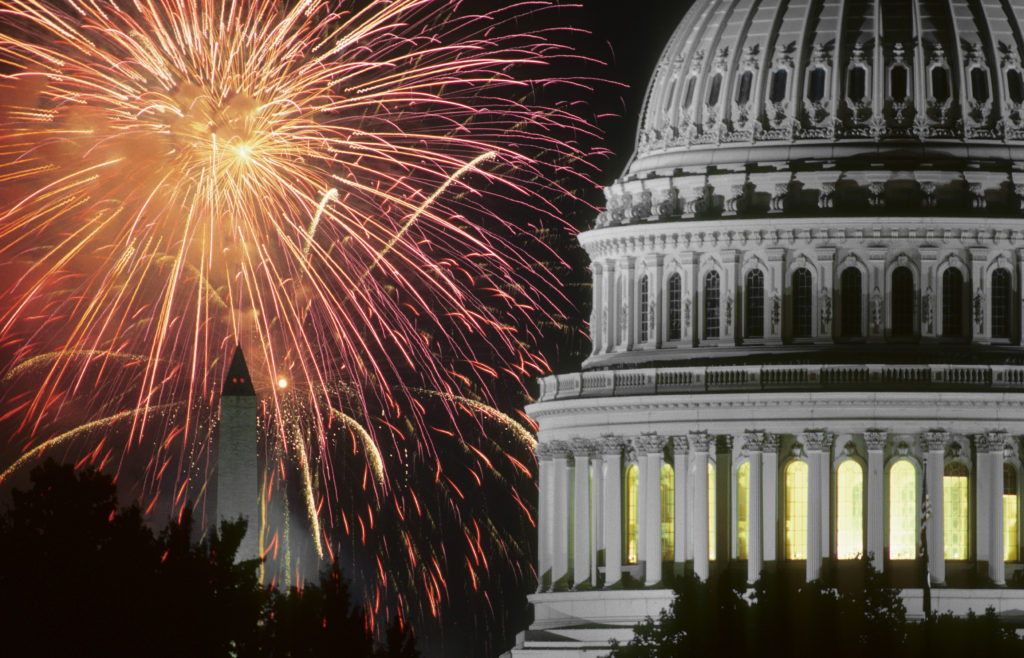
[(632, 511), (742, 498), (1011, 542), (902, 511), (668, 527), (954, 511), (796, 511), (849, 510), (712, 554)]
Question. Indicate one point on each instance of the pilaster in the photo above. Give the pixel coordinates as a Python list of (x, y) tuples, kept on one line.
[(817, 443), (769, 493), (993, 443), (754, 444), (560, 535), (581, 512), (545, 515), (875, 440), (651, 447), (680, 463), (597, 546), (699, 444), (935, 441), (773, 294), (611, 449)]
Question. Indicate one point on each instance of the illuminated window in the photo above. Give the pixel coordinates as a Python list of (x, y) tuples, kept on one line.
[(1001, 303), (632, 511), (849, 510), (851, 302), (675, 307), (668, 516), (711, 512), (954, 511), (902, 302), (902, 511), (1011, 541), (952, 302), (645, 311), (742, 515), (802, 301), (796, 511), (755, 304), (711, 307)]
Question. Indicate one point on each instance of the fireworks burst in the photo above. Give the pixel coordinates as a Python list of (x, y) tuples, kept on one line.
[(341, 190)]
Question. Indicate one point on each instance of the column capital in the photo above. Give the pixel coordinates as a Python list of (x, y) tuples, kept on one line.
[(543, 451), (769, 442), (650, 443), (753, 440), (559, 449), (875, 439), (991, 441), (580, 447), (817, 439), (680, 445), (700, 441), (611, 444), (935, 439)]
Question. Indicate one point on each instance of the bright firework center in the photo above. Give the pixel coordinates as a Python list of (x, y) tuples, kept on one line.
[(807, 317)]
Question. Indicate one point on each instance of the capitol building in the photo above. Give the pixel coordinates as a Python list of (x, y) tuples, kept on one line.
[(807, 320)]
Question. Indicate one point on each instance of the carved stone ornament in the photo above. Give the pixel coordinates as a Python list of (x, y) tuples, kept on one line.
[(543, 451), (580, 447), (875, 439), (753, 441), (680, 445), (560, 449), (769, 442), (826, 310), (876, 311), (649, 443), (992, 441), (611, 444), (935, 439), (700, 441), (817, 440)]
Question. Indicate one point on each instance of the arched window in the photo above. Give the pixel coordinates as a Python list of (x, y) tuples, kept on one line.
[(675, 307), (902, 511), (802, 303), (796, 511), (715, 90), (954, 511), (743, 91), (857, 88), (1015, 85), (940, 84), (712, 553), (711, 307), (645, 310), (688, 96), (778, 89), (898, 83), (668, 514), (632, 512), (952, 303), (742, 509), (902, 302), (816, 84), (754, 311), (979, 84), (849, 510), (669, 95), (851, 302), (1011, 538), (1001, 303)]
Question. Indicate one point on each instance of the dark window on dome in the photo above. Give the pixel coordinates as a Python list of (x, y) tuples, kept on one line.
[(816, 85), (743, 93), (711, 292), (688, 96), (902, 302), (858, 84), (669, 95), (675, 307), (645, 312), (850, 289), (979, 84), (1001, 303), (1015, 85), (715, 90), (778, 92), (898, 83), (952, 303), (754, 310), (940, 84), (802, 301)]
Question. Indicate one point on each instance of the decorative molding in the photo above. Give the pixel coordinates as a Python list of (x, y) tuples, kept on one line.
[(875, 439), (935, 440), (700, 441)]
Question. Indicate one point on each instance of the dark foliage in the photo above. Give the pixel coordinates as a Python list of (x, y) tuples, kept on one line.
[(81, 577)]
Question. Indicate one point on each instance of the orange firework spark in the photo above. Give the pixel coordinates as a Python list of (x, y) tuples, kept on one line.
[(336, 188)]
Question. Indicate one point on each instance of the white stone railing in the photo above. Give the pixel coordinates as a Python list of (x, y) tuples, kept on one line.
[(712, 379)]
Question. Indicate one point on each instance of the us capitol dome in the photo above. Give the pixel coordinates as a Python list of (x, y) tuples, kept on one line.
[(807, 319)]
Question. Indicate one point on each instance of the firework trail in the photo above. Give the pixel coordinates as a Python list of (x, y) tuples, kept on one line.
[(338, 188)]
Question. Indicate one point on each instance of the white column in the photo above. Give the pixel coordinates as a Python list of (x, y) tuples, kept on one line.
[(825, 493), (935, 440), (699, 442), (994, 443), (770, 495), (815, 443), (560, 535), (581, 512), (875, 441), (609, 310), (628, 309), (754, 443), (545, 515), (596, 515), (652, 448), (680, 463), (611, 448), (597, 328)]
